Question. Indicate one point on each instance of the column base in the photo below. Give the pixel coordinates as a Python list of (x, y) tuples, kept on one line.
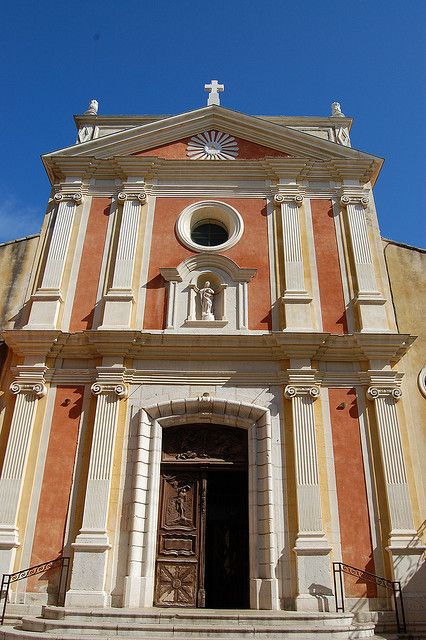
[(133, 588), (409, 568), (372, 313), (45, 307), (314, 580), (9, 541), (88, 570), (117, 310), (264, 594), (297, 310)]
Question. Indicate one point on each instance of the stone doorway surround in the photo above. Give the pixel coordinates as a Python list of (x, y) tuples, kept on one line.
[(139, 581)]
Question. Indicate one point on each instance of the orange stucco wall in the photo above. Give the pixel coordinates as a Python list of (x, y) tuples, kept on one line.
[(329, 275), (250, 252), (90, 265), (247, 151), (355, 535), (57, 480)]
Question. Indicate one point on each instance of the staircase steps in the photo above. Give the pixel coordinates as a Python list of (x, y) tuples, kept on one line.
[(186, 624)]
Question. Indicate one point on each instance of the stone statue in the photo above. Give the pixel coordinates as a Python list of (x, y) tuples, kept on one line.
[(336, 110), (92, 109), (206, 299), (342, 136)]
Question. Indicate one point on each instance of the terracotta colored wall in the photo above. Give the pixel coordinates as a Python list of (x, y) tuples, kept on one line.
[(357, 549), (90, 265), (57, 481), (328, 267), (247, 151), (250, 252)]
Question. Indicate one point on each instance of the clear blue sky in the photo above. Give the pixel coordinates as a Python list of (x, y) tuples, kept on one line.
[(274, 57)]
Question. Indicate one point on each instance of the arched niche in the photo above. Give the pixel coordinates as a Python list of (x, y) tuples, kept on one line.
[(229, 284)]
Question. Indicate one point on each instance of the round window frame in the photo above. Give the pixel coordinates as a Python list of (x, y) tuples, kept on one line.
[(222, 213), (421, 380)]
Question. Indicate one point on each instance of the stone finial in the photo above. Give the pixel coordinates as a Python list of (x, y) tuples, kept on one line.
[(92, 109), (336, 110), (214, 88)]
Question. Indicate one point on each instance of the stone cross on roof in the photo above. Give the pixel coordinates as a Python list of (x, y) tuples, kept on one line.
[(213, 88)]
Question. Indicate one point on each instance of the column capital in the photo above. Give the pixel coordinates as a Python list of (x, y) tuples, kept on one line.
[(122, 196), (292, 391), (120, 390), (297, 199), (39, 389), (373, 393), (60, 196), (347, 199)]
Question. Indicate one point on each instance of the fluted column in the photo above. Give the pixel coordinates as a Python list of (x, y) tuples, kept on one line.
[(14, 466), (295, 297), (47, 299), (119, 299), (311, 548), (368, 298), (404, 544), (92, 543)]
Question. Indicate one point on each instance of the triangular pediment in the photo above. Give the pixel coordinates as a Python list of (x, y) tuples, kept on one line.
[(167, 138)]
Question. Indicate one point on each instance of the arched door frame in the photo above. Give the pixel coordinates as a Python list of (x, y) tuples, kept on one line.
[(139, 588)]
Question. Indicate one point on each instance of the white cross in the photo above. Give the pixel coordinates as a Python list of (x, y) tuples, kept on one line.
[(213, 88)]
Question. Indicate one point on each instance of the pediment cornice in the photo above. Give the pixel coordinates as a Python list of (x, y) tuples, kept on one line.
[(301, 146)]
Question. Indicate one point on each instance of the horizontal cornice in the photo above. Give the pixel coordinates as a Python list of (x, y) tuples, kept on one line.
[(273, 346)]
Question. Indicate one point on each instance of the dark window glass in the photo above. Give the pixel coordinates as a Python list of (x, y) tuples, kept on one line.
[(209, 234)]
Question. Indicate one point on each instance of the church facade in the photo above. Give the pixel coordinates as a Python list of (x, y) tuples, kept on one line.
[(207, 399)]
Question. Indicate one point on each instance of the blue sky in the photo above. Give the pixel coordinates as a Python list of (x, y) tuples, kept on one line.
[(274, 57)]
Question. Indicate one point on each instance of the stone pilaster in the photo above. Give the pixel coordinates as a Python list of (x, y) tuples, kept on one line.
[(47, 299), (92, 544), (311, 548), (369, 300), (120, 297), (28, 389), (404, 546), (295, 298)]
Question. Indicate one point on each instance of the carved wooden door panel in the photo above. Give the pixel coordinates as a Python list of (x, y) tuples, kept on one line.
[(181, 531)]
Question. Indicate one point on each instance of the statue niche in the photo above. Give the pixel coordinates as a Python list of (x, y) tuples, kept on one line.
[(208, 298)]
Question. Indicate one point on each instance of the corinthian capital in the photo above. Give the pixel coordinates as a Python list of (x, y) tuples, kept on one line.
[(292, 391), (120, 390), (297, 199), (345, 200), (38, 389), (373, 393)]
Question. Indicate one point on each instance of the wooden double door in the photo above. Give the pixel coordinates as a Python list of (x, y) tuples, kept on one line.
[(202, 544)]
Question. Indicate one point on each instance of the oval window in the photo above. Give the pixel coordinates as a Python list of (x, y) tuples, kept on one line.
[(209, 233)]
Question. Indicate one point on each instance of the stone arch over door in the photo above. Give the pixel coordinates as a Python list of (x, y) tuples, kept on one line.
[(139, 584)]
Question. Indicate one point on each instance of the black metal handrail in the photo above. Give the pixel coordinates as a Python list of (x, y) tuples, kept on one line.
[(392, 585), (9, 578)]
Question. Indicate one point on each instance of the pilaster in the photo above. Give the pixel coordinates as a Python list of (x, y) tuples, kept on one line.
[(47, 299), (120, 297), (404, 544), (368, 300), (312, 548), (295, 298), (92, 544), (28, 387)]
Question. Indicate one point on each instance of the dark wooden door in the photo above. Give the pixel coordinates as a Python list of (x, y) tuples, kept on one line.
[(203, 489), (180, 564)]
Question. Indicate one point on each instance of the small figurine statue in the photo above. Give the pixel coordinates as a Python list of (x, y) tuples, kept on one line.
[(92, 109), (84, 134), (206, 299), (336, 110)]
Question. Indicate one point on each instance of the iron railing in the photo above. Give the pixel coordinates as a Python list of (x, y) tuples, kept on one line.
[(339, 568), (9, 578)]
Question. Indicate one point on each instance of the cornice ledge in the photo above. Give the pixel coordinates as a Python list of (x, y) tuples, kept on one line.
[(26, 342), (384, 346)]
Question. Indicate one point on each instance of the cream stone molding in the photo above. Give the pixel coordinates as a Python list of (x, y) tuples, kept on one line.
[(373, 393), (421, 379)]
